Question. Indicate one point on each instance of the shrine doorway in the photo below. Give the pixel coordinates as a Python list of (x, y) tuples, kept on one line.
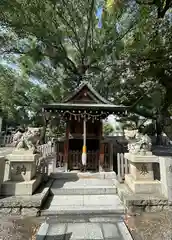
[(75, 154)]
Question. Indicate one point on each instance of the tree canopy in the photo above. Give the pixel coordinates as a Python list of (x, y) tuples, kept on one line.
[(122, 47)]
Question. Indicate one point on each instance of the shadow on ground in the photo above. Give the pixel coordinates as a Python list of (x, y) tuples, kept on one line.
[(66, 236)]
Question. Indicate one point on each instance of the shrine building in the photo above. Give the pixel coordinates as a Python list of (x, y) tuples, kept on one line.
[(84, 145)]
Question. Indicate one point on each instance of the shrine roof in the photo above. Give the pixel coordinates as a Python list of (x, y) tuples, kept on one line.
[(95, 95), (84, 98), (69, 106)]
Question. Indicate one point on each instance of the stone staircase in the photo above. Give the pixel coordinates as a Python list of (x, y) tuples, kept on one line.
[(83, 194), (83, 207)]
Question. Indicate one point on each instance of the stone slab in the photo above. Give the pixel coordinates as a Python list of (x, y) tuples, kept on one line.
[(84, 231), (81, 183), (57, 230), (22, 156), (141, 158), (145, 186), (83, 204), (87, 175), (55, 210), (142, 202), (12, 188), (110, 230), (86, 191), (76, 218), (109, 200), (34, 201), (83, 186), (65, 200), (81, 200), (166, 176)]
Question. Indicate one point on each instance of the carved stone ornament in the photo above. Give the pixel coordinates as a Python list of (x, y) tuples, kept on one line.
[(20, 170), (144, 170), (170, 169), (27, 140), (138, 143)]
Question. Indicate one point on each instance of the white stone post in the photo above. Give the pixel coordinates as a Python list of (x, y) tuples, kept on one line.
[(165, 163)]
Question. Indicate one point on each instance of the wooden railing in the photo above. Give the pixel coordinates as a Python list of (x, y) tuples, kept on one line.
[(123, 166)]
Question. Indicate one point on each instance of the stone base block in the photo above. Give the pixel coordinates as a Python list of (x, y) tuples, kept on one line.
[(22, 165), (142, 186), (137, 203), (25, 188)]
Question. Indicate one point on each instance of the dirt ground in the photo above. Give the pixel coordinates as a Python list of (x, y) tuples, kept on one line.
[(151, 226), (18, 228)]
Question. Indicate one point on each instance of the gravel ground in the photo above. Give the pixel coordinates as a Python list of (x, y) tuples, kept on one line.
[(148, 226), (151, 226), (18, 228)]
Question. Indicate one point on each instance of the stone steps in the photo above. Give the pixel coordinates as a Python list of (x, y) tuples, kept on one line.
[(75, 175), (83, 187), (84, 191), (83, 204)]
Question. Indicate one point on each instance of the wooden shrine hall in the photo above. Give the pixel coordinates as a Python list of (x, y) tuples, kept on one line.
[(84, 146)]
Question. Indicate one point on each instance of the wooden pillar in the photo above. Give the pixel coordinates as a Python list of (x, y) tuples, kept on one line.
[(101, 156), (66, 147), (84, 148)]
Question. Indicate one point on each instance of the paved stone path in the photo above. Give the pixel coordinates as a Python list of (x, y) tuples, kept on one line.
[(84, 227)]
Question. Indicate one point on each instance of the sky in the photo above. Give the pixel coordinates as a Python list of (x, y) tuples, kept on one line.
[(99, 15)]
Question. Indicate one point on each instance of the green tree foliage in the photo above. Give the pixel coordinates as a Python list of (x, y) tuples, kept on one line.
[(59, 43), (107, 129), (65, 36)]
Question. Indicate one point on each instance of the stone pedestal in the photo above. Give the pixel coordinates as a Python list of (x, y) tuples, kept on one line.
[(23, 165), (23, 179), (141, 177)]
